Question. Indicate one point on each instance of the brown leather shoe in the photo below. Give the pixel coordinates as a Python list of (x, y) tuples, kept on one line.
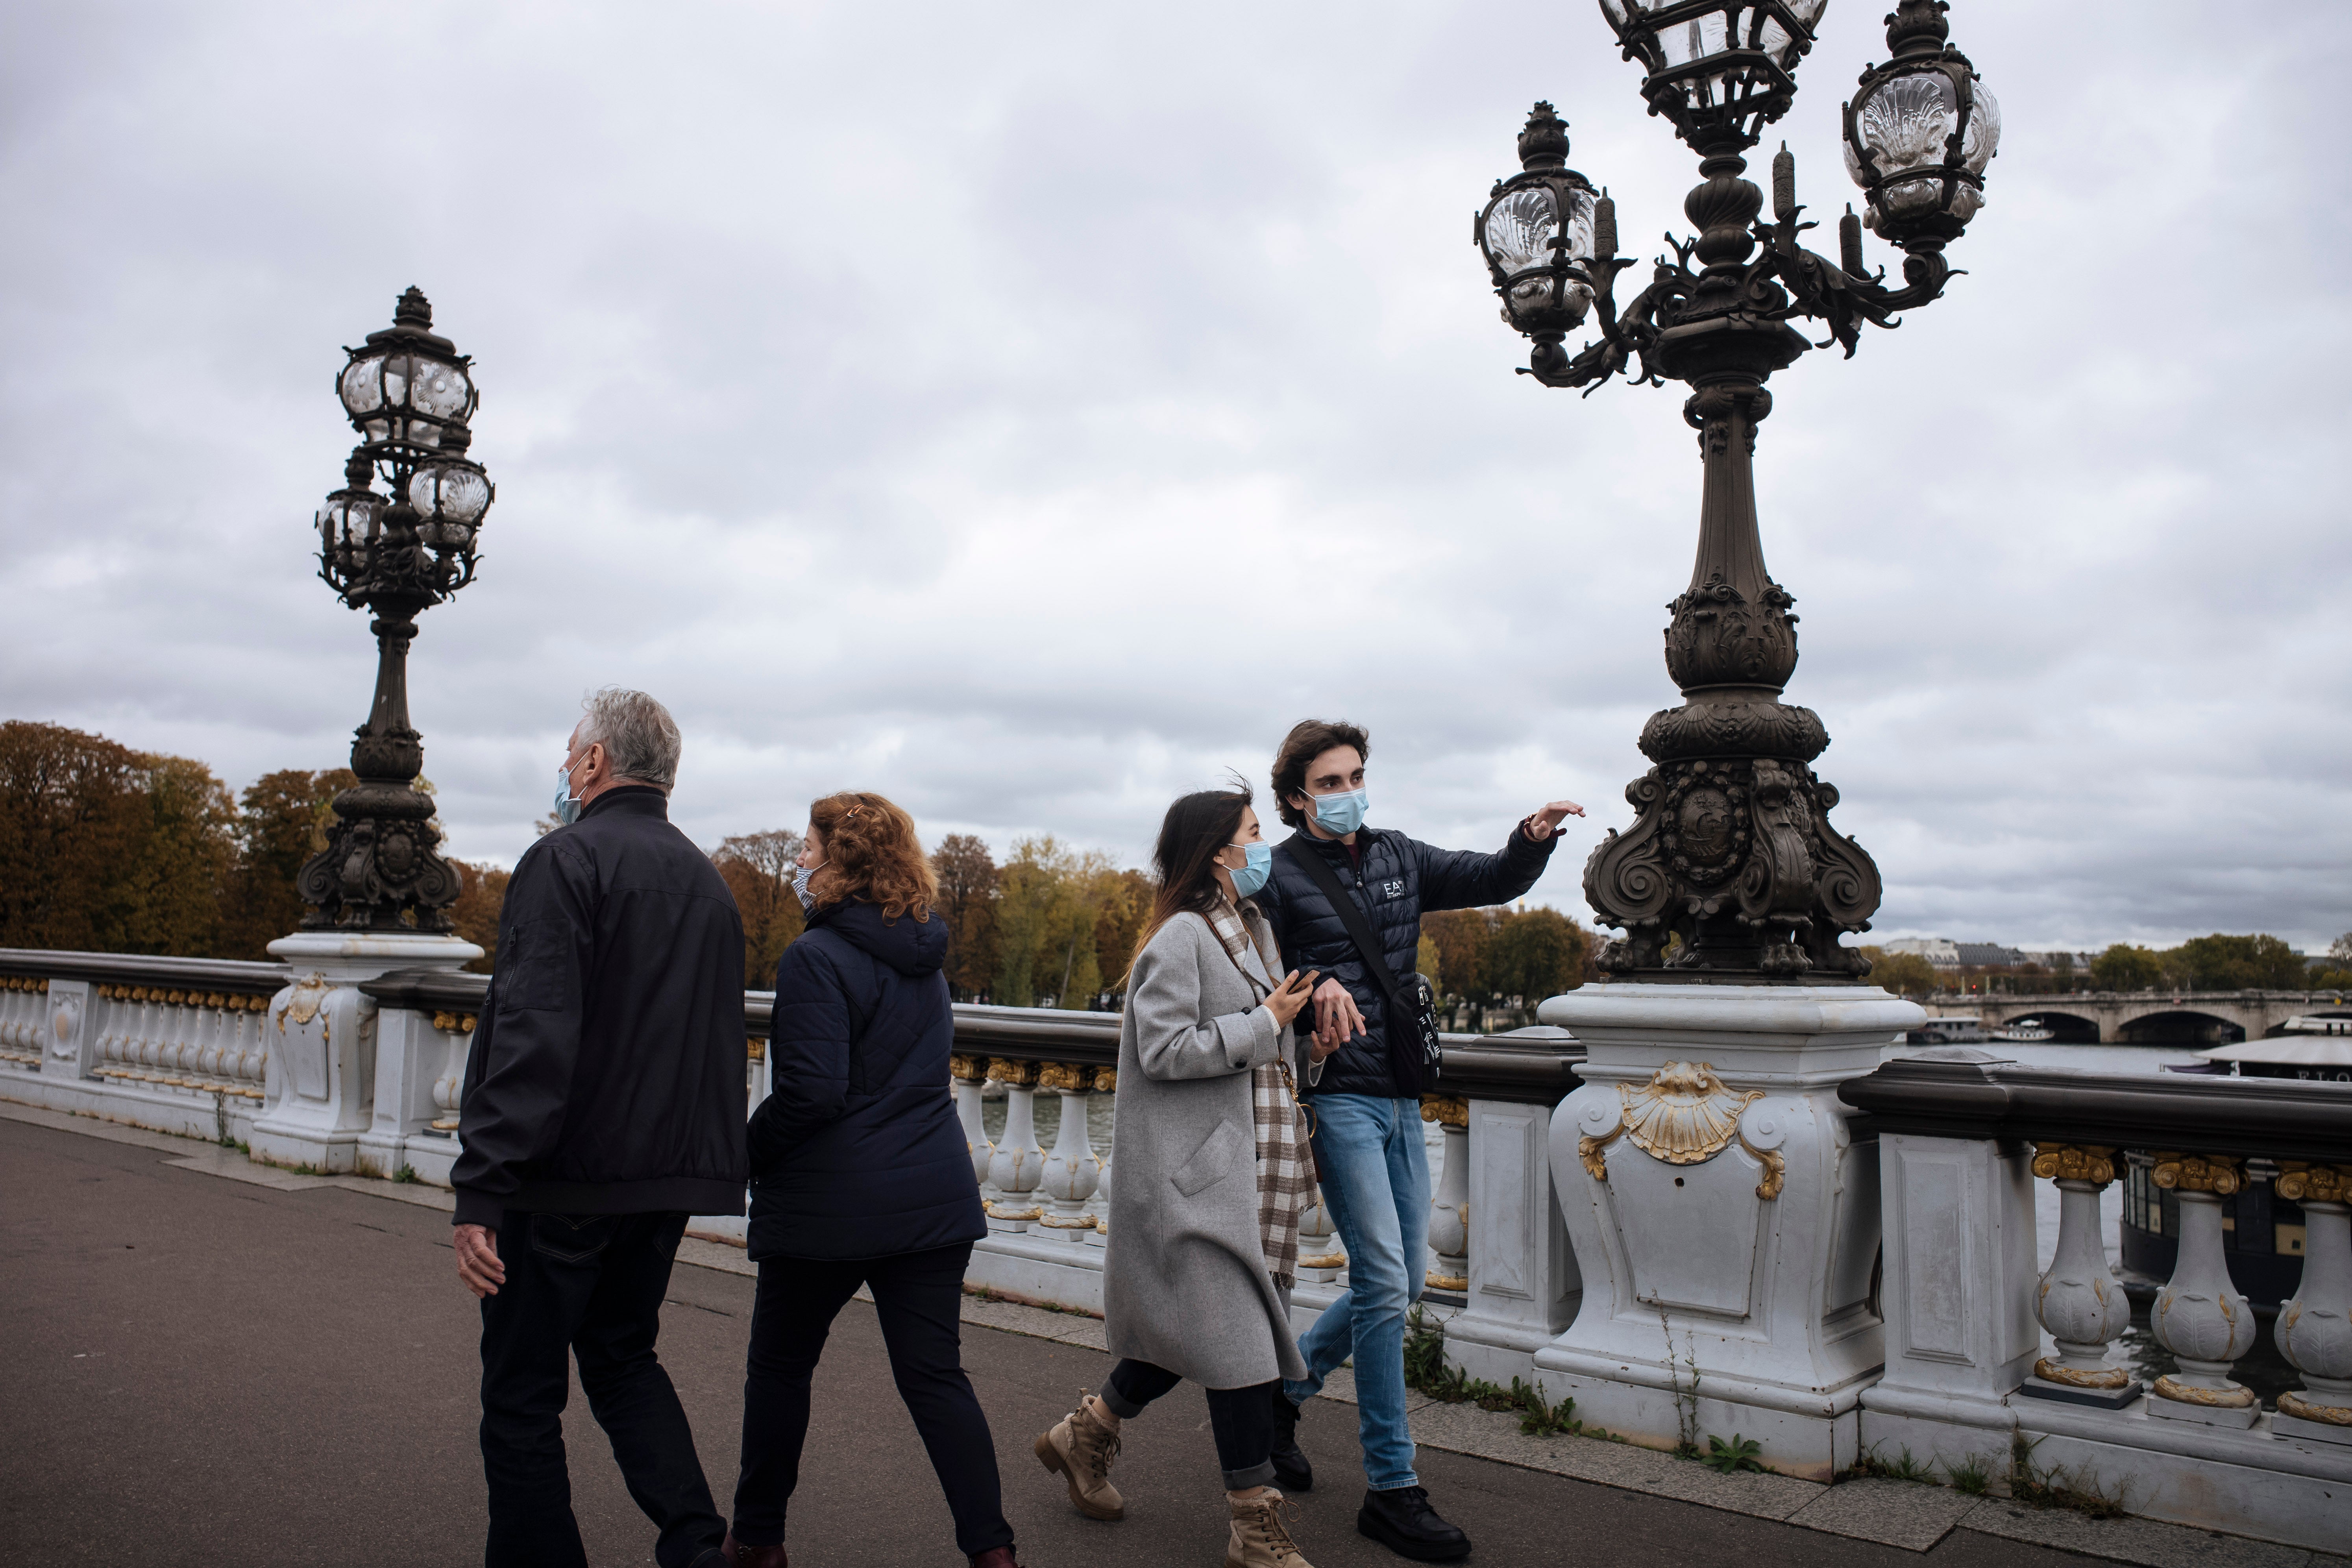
[(740, 1556), (995, 1557)]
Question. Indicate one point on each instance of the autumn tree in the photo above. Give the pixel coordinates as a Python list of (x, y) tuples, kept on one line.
[(481, 894), (1905, 973), (967, 893), (2218, 962), (281, 823), (1122, 903), (1533, 953), (757, 869), (1461, 937), (2124, 967), (107, 849)]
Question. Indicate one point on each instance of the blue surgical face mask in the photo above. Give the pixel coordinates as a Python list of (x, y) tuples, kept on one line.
[(567, 810), (1341, 813), (1249, 878)]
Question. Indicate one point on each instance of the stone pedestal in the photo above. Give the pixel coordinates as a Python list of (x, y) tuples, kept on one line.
[(321, 1034), (1725, 1221)]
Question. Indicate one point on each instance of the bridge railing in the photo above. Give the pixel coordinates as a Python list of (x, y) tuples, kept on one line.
[(1968, 1384), (188, 1045)]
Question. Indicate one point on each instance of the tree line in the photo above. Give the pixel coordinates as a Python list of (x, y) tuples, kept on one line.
[(2216, 963), (105, 849)]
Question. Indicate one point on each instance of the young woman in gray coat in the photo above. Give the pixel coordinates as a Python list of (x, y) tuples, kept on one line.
[(1212, 1172)]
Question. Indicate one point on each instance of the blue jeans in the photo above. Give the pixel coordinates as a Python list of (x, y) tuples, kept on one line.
[(1376, 1181)]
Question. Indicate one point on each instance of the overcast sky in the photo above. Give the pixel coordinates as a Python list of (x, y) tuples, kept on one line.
[(1030, 410)]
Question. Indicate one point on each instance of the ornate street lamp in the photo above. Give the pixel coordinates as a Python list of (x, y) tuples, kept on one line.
[(409, 396), (1731, 850)]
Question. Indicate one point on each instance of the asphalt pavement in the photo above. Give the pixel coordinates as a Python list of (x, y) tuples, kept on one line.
[(204, 1371)]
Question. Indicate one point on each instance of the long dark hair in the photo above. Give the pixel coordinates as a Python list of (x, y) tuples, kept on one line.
[(1196, 831)]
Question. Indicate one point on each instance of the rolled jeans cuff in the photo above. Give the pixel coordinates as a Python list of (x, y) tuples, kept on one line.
[(1257, 1475), (1124, 1409)]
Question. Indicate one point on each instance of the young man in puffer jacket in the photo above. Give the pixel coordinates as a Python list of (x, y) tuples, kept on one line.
[(1366, 1101)]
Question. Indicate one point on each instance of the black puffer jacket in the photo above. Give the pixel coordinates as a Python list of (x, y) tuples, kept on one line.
[(856, 1151), (606, 1075), (1400, 881)]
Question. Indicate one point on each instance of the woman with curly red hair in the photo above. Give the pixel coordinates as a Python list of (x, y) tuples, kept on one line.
[(859, 1175)]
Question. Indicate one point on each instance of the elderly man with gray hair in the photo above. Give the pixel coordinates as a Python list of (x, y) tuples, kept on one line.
[(604, 1104)]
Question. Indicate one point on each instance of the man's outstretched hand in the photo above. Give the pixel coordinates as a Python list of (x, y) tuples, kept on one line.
[(1540, 824), (478, 1259)]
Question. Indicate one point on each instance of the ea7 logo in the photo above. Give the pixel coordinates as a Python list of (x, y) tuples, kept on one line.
[(1394, 888)]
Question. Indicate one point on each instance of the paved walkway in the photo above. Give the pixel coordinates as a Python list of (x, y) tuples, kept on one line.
[(272, 1369)]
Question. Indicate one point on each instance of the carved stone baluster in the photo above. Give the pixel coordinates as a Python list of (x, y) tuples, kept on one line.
[(967, 1074), (449, 1085), (243, 1058), (1018, 1163), (1320, 1260), (1071, 1172), (170, 1038), (1107, 1088), (1449, 1211), (2078, 1301), (2314, 1327), (2198, 1316)]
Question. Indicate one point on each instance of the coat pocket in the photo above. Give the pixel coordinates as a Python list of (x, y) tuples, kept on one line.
[(541, 971), (1222, 1153), (570, 1238)]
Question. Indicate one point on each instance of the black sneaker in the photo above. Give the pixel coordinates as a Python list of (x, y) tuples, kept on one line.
[(1402, 1520), (1292, 1473)]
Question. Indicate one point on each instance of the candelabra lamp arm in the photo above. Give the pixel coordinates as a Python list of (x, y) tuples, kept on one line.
[(1623, 334), (1843, 297)]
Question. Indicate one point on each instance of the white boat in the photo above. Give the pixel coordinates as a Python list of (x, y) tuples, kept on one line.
[(2022, 1034), (2305, 1053), (1954, 1031)]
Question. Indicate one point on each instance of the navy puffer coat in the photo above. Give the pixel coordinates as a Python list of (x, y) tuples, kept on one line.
[(1400, 880), (856, 1151)]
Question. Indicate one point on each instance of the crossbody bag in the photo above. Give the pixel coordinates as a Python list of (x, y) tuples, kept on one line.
[(1413, 1005)]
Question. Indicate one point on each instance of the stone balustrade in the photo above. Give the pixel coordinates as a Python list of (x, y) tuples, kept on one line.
[(1710, 1210), (179, 1043), (1968, 1378)]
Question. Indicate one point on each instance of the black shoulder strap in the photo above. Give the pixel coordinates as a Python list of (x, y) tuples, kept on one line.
[(1318, 871)]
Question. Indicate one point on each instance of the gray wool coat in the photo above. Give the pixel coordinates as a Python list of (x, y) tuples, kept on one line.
[(1185, 1285)]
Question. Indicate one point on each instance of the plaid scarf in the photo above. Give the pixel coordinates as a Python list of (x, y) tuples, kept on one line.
[(1285, 1178)]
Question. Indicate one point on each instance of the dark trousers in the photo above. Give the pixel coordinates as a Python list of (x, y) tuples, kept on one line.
[(1241, 1419), (918, 1297), (590, 1286)]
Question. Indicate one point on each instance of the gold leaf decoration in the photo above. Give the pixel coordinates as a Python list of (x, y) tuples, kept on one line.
[(1684, 1114), (2075, 1163), (1446, 1111), (2316, 1183), (1592, 1151), (2216, 1174)]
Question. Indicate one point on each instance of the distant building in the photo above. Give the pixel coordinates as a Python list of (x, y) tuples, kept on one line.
[(1988, 955), (1934, 950)]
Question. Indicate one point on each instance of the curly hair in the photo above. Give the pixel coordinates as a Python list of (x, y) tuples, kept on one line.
[(871, 853), (1308, 739)]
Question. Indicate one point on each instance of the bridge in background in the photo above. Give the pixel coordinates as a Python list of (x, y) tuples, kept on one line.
[(2131, 1017)]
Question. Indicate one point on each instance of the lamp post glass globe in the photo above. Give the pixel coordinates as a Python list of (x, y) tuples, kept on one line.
[(1919, 132), (1538, 233), (1719, 70)]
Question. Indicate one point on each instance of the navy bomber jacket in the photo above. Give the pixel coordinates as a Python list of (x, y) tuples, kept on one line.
[(608, 1070)]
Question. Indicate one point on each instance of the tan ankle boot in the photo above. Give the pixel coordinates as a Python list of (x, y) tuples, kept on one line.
[(1080, 1448), (1260, 1539)]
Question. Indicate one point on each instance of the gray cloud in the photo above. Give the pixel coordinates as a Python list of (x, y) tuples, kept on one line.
[(1031, 412)]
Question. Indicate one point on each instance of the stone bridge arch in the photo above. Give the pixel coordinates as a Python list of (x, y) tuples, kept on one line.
[(2181, 1026), (2169, 1017)]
